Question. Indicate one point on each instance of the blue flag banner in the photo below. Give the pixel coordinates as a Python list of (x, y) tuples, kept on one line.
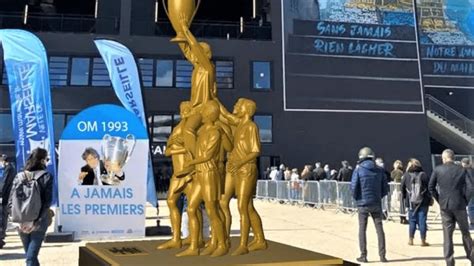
[(123, 73), (28, 80)]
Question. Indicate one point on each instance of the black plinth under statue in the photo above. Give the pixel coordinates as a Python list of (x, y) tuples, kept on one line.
[(59, 236), (158, 230)]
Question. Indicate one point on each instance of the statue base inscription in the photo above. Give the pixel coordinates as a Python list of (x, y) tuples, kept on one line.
[(145, 253)]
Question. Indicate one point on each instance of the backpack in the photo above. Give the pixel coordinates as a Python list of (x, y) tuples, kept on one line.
[(26, 197), (416, 193)]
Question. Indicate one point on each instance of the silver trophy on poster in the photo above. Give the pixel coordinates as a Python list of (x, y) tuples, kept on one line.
[(116, 152)]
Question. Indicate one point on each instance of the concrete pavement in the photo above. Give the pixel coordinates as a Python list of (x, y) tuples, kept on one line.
[(323, 231)]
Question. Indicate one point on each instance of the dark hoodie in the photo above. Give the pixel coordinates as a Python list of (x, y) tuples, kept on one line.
[(369, 184)]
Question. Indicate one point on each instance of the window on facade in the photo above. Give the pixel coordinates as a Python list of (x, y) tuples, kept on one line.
[(164, 73), (6, 130), (146, 70), (176, 119), (162, 127), (225, 74), (184, 71), (261, 75), (80, 71), (100, 74), (58, 70), (264, 123)]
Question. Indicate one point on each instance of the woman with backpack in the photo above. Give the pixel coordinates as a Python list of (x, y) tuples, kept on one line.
[(30, 198), (417, 199)]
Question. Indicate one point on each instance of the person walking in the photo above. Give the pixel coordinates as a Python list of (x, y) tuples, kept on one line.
[(369, 185), (32, 212), (452, 198), (417, 199), (8, 176), (466, 164)]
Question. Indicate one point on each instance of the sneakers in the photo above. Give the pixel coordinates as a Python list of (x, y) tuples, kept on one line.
[(410, 241), (362, 259)]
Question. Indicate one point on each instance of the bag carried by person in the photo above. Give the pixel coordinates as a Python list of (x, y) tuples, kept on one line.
[(416, 193), (26, 197)]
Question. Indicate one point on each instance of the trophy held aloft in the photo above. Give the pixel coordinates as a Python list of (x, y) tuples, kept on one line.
[(181, 8)]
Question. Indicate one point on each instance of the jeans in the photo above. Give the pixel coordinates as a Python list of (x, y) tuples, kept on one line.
[(470, 211), (418, 219), (449, 219), (376, 213), (32, 244)]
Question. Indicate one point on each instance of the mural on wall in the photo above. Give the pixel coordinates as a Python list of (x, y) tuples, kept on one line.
[(351, 56), (447, 42)]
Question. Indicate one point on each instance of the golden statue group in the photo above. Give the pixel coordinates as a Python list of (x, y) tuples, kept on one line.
[(214, 154)]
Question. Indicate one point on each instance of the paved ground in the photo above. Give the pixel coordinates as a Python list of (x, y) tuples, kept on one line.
[(318, 230)]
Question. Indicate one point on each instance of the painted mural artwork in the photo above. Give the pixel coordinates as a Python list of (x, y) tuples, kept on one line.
[(365, 53), (447, 42)]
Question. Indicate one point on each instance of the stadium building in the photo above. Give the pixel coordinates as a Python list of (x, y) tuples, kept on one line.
[(328, 78)]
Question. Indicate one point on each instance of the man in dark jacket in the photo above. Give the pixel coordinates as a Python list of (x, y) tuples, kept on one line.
[(369, 185), (345, 173), (318, 172), (8, 176), (452, 198)]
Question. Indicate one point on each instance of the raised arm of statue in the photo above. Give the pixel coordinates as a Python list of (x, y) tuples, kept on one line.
[(186, 51), (225, 116), (197, 50)]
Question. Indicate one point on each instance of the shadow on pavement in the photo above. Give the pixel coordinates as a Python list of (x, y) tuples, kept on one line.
[(423, 258), (14, 256)]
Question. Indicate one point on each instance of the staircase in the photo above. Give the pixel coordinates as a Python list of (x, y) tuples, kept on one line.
[(449, 127)]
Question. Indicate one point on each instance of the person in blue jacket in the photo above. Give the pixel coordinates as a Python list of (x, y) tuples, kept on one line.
[(369, 185)]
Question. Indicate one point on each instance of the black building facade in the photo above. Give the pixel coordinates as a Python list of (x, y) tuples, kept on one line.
[(249, 63)]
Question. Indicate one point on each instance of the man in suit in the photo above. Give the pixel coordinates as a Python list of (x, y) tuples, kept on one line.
[(452, 198), (91, 172)]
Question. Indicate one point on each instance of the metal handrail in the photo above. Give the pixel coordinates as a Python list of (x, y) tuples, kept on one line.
[(54, 22), (219, 29), (449, 114)]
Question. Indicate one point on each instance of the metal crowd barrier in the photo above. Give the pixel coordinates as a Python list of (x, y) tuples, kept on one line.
[(311, 193), (283, 192), (262, 189), (296, 191), (345, 201), (327, 193)]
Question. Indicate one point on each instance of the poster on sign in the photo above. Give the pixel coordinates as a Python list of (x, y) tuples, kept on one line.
[(103, 174)]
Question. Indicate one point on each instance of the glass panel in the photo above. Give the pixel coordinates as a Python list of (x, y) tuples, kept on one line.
[(164, 73), (225, 74), (58, 125), (146, 70), (183, 74), (100, 75), (80, 71), (162, 127), (261, 75), (264, 123), (6, 130), (58, 70), (176, 119)]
